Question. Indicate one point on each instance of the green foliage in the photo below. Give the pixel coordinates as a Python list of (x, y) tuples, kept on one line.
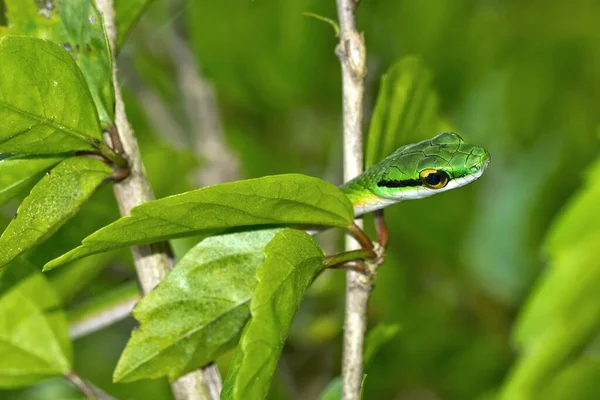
[(69, 282), (269, 201), (61, 117), (406, 110), (127, 13), (561, 316), (33, 331), (78, 27), (333, 391), (292, 261), (18, 174), (523, 81), (578, 380), (198, 311), (55, 199)]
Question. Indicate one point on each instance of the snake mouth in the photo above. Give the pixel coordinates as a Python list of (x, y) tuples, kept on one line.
[(486, 162)]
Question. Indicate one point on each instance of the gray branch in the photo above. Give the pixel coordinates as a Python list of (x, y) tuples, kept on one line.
[(152, 262), (352, 53)]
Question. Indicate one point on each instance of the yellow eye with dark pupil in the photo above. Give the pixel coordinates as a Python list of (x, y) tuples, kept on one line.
[(433, 178)]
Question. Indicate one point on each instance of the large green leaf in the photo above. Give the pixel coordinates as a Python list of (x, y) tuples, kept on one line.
[(579, 380), (55, 199), (17, 174), (198, 311), (562, 315), (292, 260), (268, 201), (34, 344), (45, 105), (406, 110), (560, 292), (79, 28), (127, 13)]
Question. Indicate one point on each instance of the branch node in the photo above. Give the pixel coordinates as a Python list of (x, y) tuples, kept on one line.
[(351, 52)]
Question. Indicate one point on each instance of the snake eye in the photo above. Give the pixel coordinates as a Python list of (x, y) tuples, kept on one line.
[(433, 178)]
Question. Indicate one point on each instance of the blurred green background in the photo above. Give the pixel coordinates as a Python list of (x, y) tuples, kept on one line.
[(233, 89)]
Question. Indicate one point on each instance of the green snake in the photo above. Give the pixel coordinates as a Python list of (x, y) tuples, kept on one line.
[(412, 172), (416, 171)]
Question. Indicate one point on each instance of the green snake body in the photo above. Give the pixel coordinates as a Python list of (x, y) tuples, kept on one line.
[(416, 171)]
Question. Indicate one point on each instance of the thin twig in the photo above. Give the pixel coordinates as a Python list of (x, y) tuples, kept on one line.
[(381, 228), (347, 256), (102, 319), (86, 388), (360, 236), (352, 54), (152, 262)]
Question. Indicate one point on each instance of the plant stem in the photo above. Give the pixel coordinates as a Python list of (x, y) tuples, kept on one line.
[(352, 255), (360, 236), (152, 262), (382, 232), (86, 388), (352, 53)]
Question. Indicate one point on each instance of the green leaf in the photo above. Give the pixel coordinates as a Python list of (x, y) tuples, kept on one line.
[(55, 199), (78, 27), (45, 105), (559, 291), (127, 13), (574, 221), (292, 260), (561, 316), (579, 380), (333, 391), (17, 174), (34, 343), (255, 203), (406, 110), (376, 338), (198, 311)]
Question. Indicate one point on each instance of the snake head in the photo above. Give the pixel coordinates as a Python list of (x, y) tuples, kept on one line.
[(432, 166)]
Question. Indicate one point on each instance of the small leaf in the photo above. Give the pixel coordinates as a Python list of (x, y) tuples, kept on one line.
[(333, 391), (255, 203), (127, 13), (33, 333), (20, 173), (406, 109), (198, 311), (78, 27), (45, 104), (55, 199), (292, 260), (376, 338)]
